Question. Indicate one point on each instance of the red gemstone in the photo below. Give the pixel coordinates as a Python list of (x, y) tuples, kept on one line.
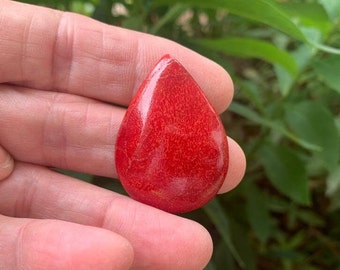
[(171, 149)]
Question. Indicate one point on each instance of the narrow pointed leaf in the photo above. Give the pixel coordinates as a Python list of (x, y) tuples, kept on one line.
[(246, 47), (216, 214)]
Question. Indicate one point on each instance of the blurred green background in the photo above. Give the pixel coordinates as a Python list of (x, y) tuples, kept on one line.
[(283, 59)]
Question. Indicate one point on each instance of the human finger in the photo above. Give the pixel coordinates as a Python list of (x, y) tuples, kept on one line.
[(236, 168), (71, 132), (6, 163), (47, 49), (159, 240), (59, 245)]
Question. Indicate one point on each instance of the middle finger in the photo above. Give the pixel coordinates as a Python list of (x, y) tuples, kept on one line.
[(59, 130), (71, 132)]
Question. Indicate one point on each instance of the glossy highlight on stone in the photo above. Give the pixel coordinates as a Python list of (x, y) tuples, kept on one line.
[(171, 149)]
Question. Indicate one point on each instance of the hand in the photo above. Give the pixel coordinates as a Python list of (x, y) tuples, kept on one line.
[(58, 73)]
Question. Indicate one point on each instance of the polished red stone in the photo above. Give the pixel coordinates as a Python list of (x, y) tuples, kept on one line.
[(171, 149)]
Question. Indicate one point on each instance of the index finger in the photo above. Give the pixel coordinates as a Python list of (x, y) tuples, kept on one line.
[(52, 50)]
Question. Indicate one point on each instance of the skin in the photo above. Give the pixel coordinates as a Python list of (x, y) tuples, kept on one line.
[(58, 73), (6, 164)]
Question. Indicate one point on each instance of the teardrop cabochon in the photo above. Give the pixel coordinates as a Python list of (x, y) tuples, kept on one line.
[(171, 149)]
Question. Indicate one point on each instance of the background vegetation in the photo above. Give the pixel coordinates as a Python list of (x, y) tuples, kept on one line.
[(286, 115)]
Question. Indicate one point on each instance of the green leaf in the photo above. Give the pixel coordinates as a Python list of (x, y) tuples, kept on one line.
[(243, 243), (332, 8), (308, 14), (256, 118), (82, 7), (311, 218), (333, 189), (328, 69), (222, 257), (333, 182), (286, 171), (313, 122), (134, 23), (247, 47), (265, 11), (102, 11), (210, 266), (82, 176), (217, 215), (253, 92), (302, 55), (258, 213), (171, 14)]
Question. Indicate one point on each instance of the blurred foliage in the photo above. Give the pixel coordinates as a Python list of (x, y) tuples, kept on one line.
[(286, 115)]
